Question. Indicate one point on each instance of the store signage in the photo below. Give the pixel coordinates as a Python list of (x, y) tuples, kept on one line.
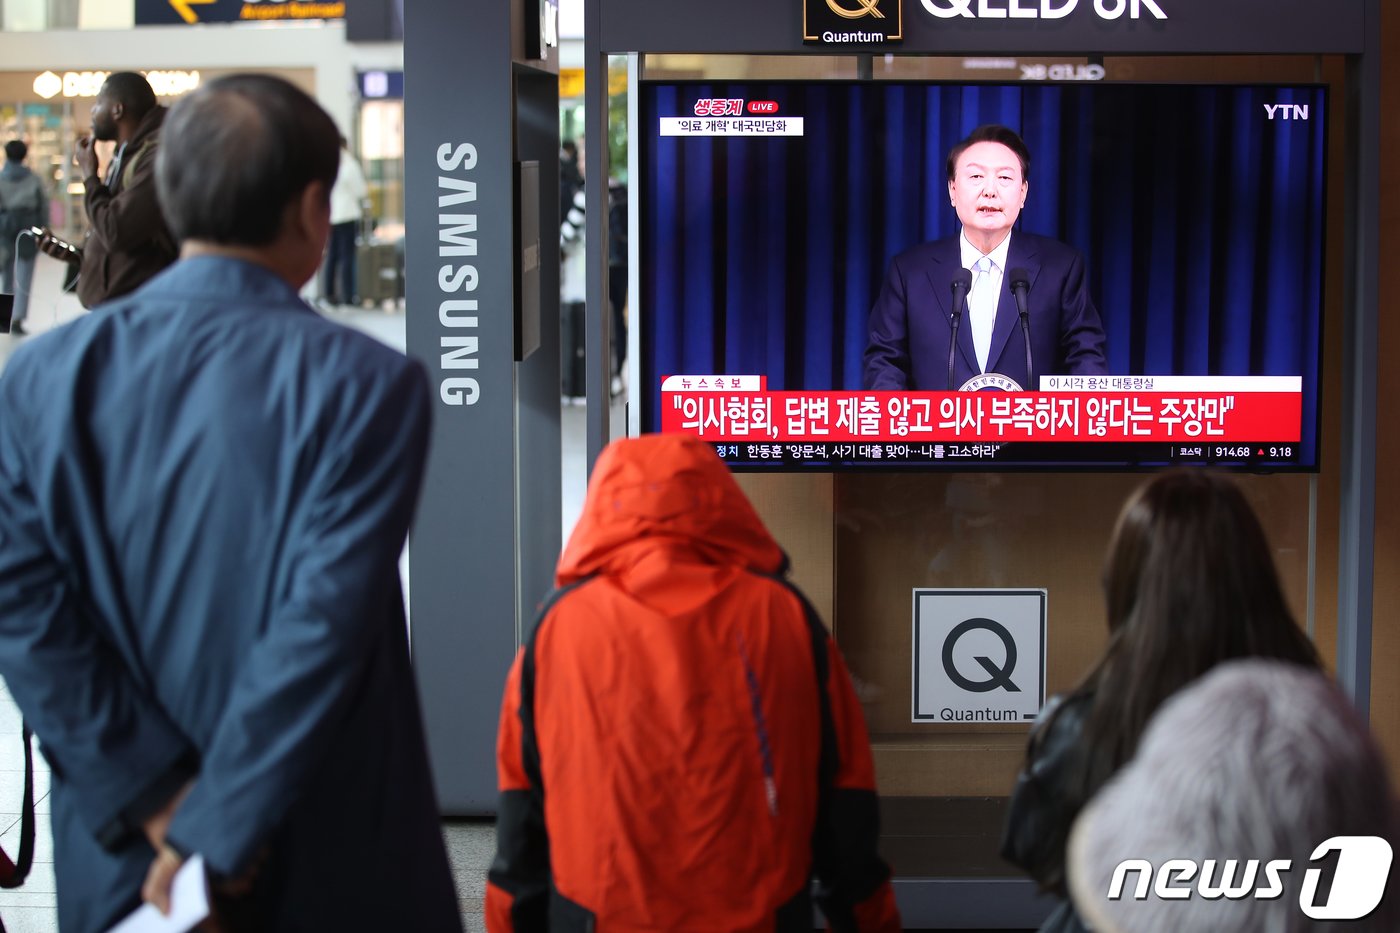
[(193, 12), (87, 83), (541, 28), (852, 22), (381, 85), (460, 341), (1041, 9), (979, 655)]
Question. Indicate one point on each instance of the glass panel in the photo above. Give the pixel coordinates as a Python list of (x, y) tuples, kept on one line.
[(680, 67), (988, 530), (861, 543), (26, 15), (381, 154)]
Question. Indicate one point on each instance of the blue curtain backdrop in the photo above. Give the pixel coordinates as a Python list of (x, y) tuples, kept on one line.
[(1201, 221)]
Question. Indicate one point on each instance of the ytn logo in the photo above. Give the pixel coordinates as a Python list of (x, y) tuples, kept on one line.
[(1287, 111), (1357, 876)]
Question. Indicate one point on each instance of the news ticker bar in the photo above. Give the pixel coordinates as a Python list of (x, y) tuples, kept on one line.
[(1097, 417), (754, 383), (1263, 455)]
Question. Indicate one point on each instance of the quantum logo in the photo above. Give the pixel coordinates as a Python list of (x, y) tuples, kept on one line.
[(864, 8), (1358, 873), (829, 22)]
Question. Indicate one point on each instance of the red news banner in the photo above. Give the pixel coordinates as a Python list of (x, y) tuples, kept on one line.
[(1066, 408)]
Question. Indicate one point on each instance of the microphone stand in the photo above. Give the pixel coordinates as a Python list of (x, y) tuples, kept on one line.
[(1020, 285), (961, 285)]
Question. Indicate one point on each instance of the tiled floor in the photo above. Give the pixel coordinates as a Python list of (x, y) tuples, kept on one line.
[(31, 909), (471, 845)]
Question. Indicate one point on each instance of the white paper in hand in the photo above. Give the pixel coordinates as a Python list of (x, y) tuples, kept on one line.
[(189, 904)]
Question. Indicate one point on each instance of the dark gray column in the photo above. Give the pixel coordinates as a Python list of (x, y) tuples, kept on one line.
[(599, 328), (1356, 574), (488, 522)]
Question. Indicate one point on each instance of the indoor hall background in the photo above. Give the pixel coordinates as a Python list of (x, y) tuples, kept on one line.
[(1386, 692)]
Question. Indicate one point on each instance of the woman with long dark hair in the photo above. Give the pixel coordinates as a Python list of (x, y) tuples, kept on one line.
[(1189, 582)]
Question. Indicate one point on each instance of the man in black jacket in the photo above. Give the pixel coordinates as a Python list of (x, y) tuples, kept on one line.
[(128, 241)]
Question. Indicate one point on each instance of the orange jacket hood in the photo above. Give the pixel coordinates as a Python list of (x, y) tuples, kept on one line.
[(665, 492)]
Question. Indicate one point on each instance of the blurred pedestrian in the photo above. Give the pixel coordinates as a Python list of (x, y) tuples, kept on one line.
[(349, 198), (617, 279), (127, 240), (573, 285), (1258, 762), (1189, 583), (23, 204)]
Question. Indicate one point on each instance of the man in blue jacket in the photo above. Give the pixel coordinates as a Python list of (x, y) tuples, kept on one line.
[(204, 491)]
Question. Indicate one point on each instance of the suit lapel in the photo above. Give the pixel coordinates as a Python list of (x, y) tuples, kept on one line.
[(948, 259), (1008, 321)]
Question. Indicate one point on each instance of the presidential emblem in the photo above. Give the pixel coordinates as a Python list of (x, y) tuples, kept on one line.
[(990, 382)]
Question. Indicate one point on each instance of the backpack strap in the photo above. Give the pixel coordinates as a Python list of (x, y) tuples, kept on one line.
[(12, 874), (129, 168)]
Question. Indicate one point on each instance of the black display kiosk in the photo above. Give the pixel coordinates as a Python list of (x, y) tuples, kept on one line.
[(481, 99)]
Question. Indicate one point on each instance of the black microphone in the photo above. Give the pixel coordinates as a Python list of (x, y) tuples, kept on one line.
[(961, 285), (1020, 287)]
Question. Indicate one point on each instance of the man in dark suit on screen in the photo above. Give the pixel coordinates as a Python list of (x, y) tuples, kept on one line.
[(920, 307)]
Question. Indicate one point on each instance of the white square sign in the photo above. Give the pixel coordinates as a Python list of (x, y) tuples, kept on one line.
[(979, 655)]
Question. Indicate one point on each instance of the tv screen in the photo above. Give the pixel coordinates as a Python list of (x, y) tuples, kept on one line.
[(1151, 291)]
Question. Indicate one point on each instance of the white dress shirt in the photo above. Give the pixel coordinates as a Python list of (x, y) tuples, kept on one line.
[(987, 271)]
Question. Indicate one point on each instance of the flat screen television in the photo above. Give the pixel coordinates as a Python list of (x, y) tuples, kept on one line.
[(778, 220)]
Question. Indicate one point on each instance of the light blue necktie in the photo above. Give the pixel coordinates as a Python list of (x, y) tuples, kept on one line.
[(982, 306)]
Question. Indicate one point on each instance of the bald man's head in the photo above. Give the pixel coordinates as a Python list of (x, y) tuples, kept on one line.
[(237, 153)]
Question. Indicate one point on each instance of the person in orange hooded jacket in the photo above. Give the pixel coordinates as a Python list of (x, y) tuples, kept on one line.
[(680, 746)]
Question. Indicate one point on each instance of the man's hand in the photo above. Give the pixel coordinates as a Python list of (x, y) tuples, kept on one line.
[(157, 823), (156, 890), (85, 157), (229, 907)]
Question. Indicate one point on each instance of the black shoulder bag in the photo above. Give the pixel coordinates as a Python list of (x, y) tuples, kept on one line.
[(13, 873)]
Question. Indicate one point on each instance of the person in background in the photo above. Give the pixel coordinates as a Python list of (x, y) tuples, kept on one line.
[(1189, 584), (570, 178), (573, 288), (1257, 762), (617, 279), (127, 241), (349, 199), (204, 492), (23, 204), (680, 747)]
